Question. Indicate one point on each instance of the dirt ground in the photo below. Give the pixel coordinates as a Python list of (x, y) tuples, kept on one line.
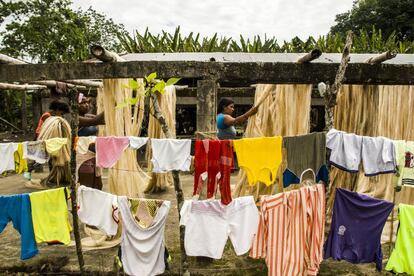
[(59, 259)]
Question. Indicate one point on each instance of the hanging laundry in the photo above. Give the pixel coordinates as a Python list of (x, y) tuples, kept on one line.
[(83, 142), (209, 223), (19, 161), (345, 150), (171, 154), (305, 152), (378, 155), (260, 158), (213, 161), (137, 142), (401, 259), (54, 145), (143, 249), (35, 151), (291, 230), (404, 151), (7, 154), (17, 208), (357, 224), (99, 209), (50, 216), (109, 150)]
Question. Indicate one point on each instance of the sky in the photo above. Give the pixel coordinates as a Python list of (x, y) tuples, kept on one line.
[(283, 19)]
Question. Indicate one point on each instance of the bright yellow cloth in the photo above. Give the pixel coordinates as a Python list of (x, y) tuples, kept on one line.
[(260, 158), (20, 163), (53, 145), (50, 216)]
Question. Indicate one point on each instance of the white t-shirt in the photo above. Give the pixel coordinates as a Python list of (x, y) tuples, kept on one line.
[(98, 209), (143, 248), (345, 150), (7, 156), (378, 155)]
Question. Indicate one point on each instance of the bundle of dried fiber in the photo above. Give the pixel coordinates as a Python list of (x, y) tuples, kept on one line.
[(57, 127), (160, 181), (375, 111), (286, 112), (126, 177)]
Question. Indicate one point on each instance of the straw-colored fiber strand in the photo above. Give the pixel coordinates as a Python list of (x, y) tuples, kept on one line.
[(126, 177), (374, 111), (167, 101), (285, 112)]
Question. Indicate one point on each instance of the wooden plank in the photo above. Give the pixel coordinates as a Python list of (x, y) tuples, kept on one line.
[(245, 72)]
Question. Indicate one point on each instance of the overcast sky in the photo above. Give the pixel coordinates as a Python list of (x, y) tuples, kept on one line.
[(283, 19)]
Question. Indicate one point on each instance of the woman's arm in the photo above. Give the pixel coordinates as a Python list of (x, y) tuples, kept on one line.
[(92, 121), (230, 121)]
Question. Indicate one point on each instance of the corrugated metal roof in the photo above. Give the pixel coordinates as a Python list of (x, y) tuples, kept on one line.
[(259, 57)]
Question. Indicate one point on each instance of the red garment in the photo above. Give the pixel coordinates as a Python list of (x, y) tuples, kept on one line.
[(41, 120), (214, 161)]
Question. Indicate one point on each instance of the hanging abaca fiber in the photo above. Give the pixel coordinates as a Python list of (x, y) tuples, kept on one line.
[(126, 177), (60, 175), (167, 101), (285, 112), (374, 111)]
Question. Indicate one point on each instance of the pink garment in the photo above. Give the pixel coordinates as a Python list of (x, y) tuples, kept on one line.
[(109, 150)]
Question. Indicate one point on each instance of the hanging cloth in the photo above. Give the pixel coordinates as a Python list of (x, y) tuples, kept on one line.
[(83, 142), (405, 162), (137, 142), (109, 150), (54, 145), (378, 155), (35, 151), (171, 154), (20, 163), (7, 155)]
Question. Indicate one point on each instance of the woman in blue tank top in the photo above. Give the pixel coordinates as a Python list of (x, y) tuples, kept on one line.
[(226, 123)]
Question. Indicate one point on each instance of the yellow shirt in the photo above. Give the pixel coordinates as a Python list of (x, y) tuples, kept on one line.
[(20, 163), (54, 145), (50, 216), (260, 158)]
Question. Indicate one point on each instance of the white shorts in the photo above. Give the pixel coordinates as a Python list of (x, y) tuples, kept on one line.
[(209, 223)]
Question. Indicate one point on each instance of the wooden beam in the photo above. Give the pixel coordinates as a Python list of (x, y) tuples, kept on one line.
[(243, 73), (314, 54), (382, 57), (21, 87)]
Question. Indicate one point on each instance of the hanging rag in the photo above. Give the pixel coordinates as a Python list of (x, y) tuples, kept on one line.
[(345, 150), (401, 259), (404, 151), (260, 158), (17, 208), (19, 161), (171, 154), (378, 155), (291, 231), (50, 216), (83, 142), (137, 142), (7, 155), (109, 150), (357, 224), (142, 248), (305, 152), (35, 151), (54, 145), (99, 209)]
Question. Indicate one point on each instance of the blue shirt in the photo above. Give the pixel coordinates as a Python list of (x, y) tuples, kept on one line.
[(225, 132)]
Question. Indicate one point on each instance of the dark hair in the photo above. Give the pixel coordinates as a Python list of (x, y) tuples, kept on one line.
[(57, 105), (223, 103)]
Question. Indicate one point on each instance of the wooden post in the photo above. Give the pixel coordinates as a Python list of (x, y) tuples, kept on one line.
[(206, 108), (382, 57), (36, 107), (24, 112), (332, 90), (314, 54), (74, 125)]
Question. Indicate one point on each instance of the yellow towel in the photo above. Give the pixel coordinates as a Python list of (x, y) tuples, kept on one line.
[(20, 163), (54, 145), (50, 216), (260, 158)]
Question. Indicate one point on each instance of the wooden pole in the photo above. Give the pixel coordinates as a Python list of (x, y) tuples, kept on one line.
[(104, 55), (10, 124), (382, 57), (74, 125), (332, 90), (206, 108), (314, 54), (24, 112), (21, 87)]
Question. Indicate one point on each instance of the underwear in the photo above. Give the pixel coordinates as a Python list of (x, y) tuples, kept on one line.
[(260, 158), (378, 155), (53, 145), (214, 161), (99, 209), (209, 223), (170, 155), (82, 145), (345, 150), (109, 150), (35, 151), (137, 142)]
